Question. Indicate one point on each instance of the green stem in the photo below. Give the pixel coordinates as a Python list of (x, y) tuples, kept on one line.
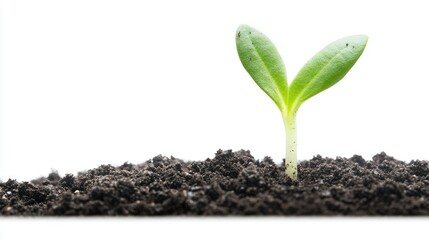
[(291, 166)]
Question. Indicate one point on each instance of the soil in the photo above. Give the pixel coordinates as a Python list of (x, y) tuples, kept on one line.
[(233, 183)]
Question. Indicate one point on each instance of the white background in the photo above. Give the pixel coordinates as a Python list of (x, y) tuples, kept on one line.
[(85, 83), (88, 82)]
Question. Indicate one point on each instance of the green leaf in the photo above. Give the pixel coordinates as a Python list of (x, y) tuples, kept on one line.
[(262, 61), (325, 69)]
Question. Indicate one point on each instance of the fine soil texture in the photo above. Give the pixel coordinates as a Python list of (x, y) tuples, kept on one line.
[(233, 183)]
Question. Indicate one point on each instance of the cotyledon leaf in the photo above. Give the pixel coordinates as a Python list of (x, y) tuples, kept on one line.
[(262, 61), (325, 69)]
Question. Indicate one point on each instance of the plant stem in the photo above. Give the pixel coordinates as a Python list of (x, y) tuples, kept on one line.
[(291, 167)]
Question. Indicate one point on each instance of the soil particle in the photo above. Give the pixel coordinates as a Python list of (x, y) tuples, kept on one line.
[(232, 183)]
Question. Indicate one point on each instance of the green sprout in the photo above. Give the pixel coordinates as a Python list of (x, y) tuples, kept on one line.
[(262, 61)]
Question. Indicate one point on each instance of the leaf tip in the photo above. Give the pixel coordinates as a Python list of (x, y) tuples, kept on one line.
[(362, 38), (357, 41), (244, 30), (243, 27)]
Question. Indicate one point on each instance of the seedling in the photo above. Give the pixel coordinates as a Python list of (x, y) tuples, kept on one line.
[(262, 61)]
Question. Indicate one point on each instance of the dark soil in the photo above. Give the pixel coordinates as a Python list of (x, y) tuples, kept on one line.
[(233, 183)]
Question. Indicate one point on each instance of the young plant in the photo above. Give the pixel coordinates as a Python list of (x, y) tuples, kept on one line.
[(262, 61)]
